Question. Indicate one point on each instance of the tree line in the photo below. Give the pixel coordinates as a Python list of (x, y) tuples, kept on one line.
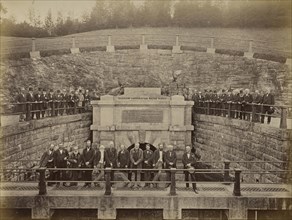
[(164, 13)]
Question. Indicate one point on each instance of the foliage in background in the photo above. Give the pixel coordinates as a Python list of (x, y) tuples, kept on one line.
[(181, 13)]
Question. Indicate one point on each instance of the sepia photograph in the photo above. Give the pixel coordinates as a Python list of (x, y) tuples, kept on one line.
[(146, 109)]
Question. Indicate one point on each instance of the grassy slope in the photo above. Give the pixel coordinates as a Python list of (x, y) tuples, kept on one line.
[(265, 40)]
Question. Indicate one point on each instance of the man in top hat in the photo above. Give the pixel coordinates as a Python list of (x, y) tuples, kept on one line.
[(38, 105), (60, 161), (147, 164), (189, 160), (30, 104), (44, 99), (88, 162), (74, 162), (47, 160), (21, 107), (267, 101)]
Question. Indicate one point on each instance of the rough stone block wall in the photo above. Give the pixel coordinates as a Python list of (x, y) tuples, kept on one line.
[(28, 140), (131, 68), (222, 139)]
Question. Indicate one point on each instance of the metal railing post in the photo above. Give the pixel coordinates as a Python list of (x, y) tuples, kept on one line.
[(283, 122), (53, 109), (229, 110), (108, 189), (42, 181), (226, 170), (208, 108), (236, 189), (28, 113), (173, 183)]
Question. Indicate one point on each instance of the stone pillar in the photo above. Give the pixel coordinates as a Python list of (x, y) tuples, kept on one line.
[(249, 54), (172, 211), (143, 46), (176, 48), (106, 213), (41, 209), (238, 210), (110, 48), (74, 49), (34, 54), (211, 49)]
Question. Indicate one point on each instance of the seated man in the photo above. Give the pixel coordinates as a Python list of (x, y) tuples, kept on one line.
[(158, 163), (147, 158), (189, 160), (136, 158), (47, 160), (170, 161)]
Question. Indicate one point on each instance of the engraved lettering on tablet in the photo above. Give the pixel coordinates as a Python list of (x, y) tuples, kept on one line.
[(142, 116)]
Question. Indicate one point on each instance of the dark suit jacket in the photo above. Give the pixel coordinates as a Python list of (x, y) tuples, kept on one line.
[(88, 156), (74, 160), (148, 156), (124, 158), (110, 156), (30, 98), (47, 160), (192, 159), (59, 158), (170, 158), (156, 156), (268, 99), (97, 157), (140, 157)]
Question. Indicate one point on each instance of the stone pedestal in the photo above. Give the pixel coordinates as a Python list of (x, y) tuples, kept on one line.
[(41, 208), (248, 55), (210, 50), (110, 48), (142, 115), (35, 55), (143, 48), (176, 49), (74, 50)]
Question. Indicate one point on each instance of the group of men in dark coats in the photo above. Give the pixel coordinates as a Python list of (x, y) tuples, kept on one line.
[(238, 103), (94, 158), (40, 103)]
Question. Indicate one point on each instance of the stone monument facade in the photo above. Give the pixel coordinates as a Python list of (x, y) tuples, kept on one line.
[(142, 115)]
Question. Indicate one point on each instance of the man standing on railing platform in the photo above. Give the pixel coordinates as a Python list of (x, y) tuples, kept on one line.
[(60, 158), (99, 163), (136, 158), (111, 159), (21, 100), (189, 161), (47, 160), (158, 163), (44, 99), (257, 100), (268, 99), (170, 161), (38, 105), (87, 162), (74, 162), (30, 106), (147, 164)]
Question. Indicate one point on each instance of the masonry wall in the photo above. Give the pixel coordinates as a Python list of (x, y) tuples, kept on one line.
[(28, 140), (105, 71), (222, 139)]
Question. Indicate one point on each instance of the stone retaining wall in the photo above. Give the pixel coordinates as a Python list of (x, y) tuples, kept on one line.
[(28, 140), (221, 139)]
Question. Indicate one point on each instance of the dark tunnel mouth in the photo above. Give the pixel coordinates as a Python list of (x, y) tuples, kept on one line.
[(142, 146)]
